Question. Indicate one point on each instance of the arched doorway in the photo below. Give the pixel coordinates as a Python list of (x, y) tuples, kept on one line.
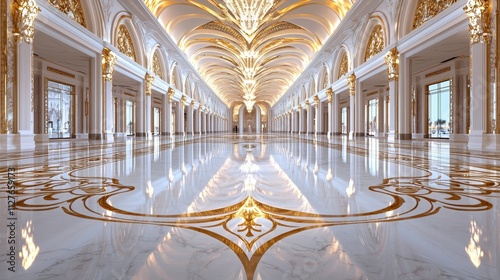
[(249, 122)]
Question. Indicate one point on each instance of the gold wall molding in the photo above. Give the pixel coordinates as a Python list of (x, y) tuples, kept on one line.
[(392, 62), (427, 9), (24, 15), (108, 64), (60, 72), (71, 8), (440, 71), (344, 64), (375, 42), (149, 79), (479, 21), (351, 83), (157, 65), (124, 42)]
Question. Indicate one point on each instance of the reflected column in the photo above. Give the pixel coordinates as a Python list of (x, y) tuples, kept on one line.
[(351, 83)]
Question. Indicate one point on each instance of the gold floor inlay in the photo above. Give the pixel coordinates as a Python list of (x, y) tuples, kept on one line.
[(453, 185)]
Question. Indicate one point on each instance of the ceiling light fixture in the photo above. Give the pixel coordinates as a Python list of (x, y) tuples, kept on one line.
[(249, 13)]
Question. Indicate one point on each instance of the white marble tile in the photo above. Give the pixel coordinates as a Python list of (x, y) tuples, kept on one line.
[(261, 207)]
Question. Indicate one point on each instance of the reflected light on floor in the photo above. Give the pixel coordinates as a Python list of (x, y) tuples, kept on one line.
[(474, 250), (29, 251)]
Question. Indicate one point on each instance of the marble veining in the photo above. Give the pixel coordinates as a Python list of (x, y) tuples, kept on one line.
[(269, 206)]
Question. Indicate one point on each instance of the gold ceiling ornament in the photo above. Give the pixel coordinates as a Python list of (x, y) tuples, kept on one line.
[(124, 42), (149, 79), (71, 8), (249, 104), (249, 13), (329, 94), (351, 83), (479, 21), (170, 93), (392, 62), (24, 14), (157, 65), (316, 101), (375, 42), (108, 64), (427, 9), (344, 64)]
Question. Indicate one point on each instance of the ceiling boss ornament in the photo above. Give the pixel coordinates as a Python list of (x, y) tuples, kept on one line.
[(25, 12), (249, 13)]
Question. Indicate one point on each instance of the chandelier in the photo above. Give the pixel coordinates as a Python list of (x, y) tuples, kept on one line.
[(249, 104), (249, 12)]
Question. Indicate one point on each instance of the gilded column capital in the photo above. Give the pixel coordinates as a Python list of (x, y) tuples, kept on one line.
[(149, 79), (392, 62), (351, 83), (329, 94), (183, 100), (316, 101), (192, 103), (478, 12), (24, 15), (108, 64), (171, 93), (307, 104)]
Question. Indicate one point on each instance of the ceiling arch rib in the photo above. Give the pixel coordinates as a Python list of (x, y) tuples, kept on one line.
[(255, 59)]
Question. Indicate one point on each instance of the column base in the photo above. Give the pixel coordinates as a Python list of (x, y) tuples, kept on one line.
[(360, 134), (166, 133), (404, 136), (391, 136), (179, 133), (96, 136), (18, 142), (484, 142), (144, 134)]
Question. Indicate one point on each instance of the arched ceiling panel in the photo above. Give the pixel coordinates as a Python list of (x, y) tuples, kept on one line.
[(250, 49)]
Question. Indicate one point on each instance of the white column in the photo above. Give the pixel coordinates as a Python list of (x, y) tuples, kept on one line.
[(166, 123), (404, 99), (95, 99), (380, 115), (336, 128), (310, 118), (189, 128), (179, 122), (147, 115), (352, 115), (360, 111), (140, 129)]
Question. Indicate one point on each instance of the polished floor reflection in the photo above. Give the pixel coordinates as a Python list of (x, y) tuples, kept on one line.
[(271, 206)]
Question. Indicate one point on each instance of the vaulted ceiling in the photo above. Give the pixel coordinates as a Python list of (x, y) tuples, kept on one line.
[(249, 50)]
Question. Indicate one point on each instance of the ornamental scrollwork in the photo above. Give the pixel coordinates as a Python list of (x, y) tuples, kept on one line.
[(427, 9), (124, 42), (71, 8), (392, 62), (375, 42), (344, 65), (479, 18), (157, 65), (108, 64), (24, 14)]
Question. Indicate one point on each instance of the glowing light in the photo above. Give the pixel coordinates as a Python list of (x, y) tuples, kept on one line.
[(249, 12), (249, 104), (29, 250), (149, 189), (474, 250), (351, 189)]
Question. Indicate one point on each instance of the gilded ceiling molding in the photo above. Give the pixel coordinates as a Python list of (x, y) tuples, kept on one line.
[(344, 65), (124, 42), (24, 15), (157, 65), (427, 9), (479, 21), (392, 62), (351, 83), (375, 42), (149, 79), (108, 64), (329, 94), (71, 8)]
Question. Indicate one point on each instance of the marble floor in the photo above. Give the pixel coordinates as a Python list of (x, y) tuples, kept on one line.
[(271, 206)]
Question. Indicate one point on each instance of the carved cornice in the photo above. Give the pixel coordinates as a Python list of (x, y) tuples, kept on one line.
[(479, 21), (108, 64), (392, 62), (24, 15)]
